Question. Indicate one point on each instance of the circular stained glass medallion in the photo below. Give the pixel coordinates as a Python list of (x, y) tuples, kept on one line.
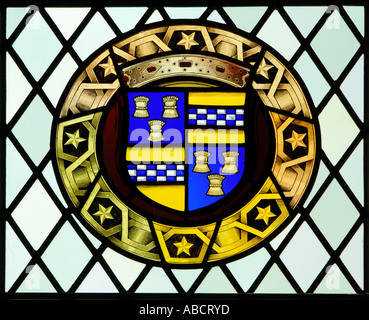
[(185, 144)]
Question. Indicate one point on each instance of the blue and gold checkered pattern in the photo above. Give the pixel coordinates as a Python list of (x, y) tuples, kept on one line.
[(216, 117), (156, 172)]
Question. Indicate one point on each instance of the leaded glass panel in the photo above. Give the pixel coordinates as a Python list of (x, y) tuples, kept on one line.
[(46, 248)]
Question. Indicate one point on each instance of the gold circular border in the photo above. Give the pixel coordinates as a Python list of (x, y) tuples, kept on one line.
[(78, 166)]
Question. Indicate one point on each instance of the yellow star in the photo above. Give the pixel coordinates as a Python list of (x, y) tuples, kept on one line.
[(265, 214), (104, 213), (183, 246), (296, 140), (109, 67), (263, 69), (188, 40), (74, 139)]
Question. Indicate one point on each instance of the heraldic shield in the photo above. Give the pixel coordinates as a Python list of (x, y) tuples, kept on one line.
[(185, 150)]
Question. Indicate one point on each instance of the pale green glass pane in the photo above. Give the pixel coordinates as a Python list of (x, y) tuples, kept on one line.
[(98, 270), (334, 282), (353, 256), (16, 257), (305, 18), (94, 241), (156, 282), (304, 256), (185, 12), (281, 236), (215, 282), (186, 277), (67, 19), (337, 128), (275, 282), (97, 281), (57, 82), (334, 214), (36, 281), (321, 177), (17, 172), (36, 215), (131, 16), (353, 172), (49, 175), (357, 15), (247, 269), (353, 87), (277, 34), (34, 136), (37, 46), (313, 79), (96, 33), (245, 18), (125, 269), (216, 17), (17, 88), (13, 17), (155, 17), (66, 256), (335, 44)]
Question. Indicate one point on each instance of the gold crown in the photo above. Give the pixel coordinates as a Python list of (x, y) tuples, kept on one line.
[(216, 177), (141, 99), (230, 153), (202, 153), (170, 98), (156, 122)]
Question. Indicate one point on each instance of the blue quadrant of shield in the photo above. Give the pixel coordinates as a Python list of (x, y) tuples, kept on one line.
[(198, 183), (145, 113)]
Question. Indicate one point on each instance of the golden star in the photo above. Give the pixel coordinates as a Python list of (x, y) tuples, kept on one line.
[(296, 140), (265, 214), (109, 67), (104, 213), (188, 40), (74, 139), (263, 69), (183, 246)]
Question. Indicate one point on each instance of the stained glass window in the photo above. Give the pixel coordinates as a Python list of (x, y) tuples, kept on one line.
[(289, 79)]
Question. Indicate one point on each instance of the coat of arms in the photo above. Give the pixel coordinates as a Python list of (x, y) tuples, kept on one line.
[(183, 154)]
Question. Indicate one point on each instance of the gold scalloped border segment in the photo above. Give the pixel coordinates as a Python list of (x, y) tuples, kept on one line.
[(77, 163), (293, 169)]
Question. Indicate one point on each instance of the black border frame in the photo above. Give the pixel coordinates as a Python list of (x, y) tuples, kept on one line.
[(5, 130)]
